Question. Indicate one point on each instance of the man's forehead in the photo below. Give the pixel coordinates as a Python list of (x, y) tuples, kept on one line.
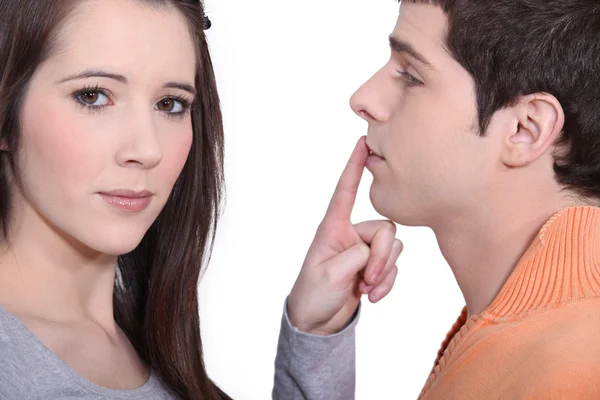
[(423, 26)]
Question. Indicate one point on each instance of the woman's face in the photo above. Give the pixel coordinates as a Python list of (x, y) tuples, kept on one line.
[(105, 125)]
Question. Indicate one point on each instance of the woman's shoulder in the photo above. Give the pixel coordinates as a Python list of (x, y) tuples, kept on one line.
[(30, 370), (18, 350), (11, 331), (19, 356)]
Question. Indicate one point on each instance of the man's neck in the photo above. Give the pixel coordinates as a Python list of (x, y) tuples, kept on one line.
[(484, 248)]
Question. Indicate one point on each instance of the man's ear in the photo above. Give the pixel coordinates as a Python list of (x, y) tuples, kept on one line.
[(538, 120)]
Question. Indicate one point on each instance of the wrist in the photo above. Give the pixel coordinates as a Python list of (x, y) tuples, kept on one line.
[(324, 328)]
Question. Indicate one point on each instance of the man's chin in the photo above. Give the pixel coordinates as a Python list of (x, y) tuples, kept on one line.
[(396, 209)]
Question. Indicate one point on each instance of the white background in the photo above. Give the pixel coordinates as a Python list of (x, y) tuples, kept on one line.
[(285, 72)]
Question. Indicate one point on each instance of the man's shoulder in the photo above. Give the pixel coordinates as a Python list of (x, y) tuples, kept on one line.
[(567, 333), (557, 352), (565, 377)]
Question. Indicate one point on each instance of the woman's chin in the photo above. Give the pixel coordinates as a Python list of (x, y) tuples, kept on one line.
[(114, 245)]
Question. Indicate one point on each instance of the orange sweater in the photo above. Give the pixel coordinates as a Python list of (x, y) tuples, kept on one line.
[(540, 337)]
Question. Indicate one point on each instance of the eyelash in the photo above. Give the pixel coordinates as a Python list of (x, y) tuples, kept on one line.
[(186, 104), (409, 79)]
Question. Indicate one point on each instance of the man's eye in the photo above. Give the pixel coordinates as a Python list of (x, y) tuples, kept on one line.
[(411, 80)]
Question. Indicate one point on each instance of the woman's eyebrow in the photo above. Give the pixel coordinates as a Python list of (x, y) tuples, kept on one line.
[(95, 73), (182, 86)]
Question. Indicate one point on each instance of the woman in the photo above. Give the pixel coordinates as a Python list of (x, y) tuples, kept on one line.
[(112, 151), (111, 143)]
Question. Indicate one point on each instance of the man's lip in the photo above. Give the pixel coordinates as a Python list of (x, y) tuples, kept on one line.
[(371, 152), (131, 194)]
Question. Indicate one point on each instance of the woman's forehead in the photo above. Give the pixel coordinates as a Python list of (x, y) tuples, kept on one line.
[(128, 36)]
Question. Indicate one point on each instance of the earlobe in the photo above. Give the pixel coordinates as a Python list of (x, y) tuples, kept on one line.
[(540, 120)]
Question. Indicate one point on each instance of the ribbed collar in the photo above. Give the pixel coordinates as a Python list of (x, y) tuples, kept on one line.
[(561, 265)]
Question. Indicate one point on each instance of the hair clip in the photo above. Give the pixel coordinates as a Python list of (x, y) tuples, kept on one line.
[(207, 23)]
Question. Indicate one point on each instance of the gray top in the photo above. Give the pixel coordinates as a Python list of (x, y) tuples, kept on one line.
[(29, 370), (310, 367), (307, 368)]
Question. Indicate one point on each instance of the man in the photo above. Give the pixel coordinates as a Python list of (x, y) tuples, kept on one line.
[(485, 126)]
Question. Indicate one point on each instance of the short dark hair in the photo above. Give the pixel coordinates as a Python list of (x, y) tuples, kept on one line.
[(517, 47)]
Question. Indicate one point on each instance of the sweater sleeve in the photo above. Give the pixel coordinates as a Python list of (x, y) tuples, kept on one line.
[(312, 367)]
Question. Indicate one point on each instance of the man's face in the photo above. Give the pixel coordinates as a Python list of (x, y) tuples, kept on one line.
[(422, 116)]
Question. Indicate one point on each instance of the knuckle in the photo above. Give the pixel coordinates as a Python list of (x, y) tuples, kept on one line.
[(379, 264), (333, 277), (397, 248), (391, 226), (386, 226), (363, 250)]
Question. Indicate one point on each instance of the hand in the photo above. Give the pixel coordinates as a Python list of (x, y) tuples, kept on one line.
[(344, 260)]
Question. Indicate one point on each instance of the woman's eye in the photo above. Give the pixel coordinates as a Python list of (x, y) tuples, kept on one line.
[(93, 98), (170, 105)]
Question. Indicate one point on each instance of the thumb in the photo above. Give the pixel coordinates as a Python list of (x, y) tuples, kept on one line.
[(342, 268)]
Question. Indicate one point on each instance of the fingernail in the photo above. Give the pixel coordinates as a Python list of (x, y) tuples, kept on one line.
[(375, 297), (367, 289)]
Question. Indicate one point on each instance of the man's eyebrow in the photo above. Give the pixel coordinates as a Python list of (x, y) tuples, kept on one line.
[(400, 46), (94, 73)]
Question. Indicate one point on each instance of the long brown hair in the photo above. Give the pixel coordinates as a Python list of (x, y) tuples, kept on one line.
[(155, 294)]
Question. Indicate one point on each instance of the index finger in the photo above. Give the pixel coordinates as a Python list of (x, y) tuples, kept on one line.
[(342, 201)]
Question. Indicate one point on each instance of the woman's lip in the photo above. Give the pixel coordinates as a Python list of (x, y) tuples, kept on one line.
[(128, 193), (127, 204)]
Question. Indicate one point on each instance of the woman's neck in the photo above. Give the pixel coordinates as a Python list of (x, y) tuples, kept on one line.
[(46, 274)]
